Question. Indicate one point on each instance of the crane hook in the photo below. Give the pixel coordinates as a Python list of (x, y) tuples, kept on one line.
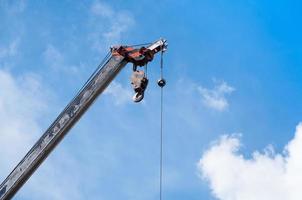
[(138, 96), (139, 83)]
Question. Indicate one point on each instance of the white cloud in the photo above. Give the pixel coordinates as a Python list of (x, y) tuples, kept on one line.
[(108, 25), (53, 57), (13, 7), (9, 50), (24, 101), (215, 98), (20, 103), (120, 25), (101, 9), (264, 176), (119, 94)]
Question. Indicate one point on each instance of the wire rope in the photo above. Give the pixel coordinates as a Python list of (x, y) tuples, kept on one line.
[(161, 127)]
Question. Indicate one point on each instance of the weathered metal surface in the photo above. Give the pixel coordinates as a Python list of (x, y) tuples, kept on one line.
[(55, 133)]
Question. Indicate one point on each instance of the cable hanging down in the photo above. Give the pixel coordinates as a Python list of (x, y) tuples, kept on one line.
[(161, 83)]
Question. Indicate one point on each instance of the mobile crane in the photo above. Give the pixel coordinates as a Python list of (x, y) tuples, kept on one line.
[(117, 58)]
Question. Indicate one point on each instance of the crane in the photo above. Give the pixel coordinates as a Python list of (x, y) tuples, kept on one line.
[(114, 62)]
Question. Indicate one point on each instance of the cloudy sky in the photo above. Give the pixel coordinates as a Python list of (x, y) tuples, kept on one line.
[(232, 107)]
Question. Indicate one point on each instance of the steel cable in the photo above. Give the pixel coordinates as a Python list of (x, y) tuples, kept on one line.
[(161, 129)]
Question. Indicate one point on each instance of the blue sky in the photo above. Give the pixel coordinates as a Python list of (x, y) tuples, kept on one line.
[(232, 69)]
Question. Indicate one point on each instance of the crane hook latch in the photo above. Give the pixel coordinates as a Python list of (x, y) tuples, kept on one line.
[(139, 83)]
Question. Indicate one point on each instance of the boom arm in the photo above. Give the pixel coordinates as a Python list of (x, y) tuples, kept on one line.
[(120, 56)]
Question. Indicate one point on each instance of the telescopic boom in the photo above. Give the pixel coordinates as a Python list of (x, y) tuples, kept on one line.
[(118, 58)]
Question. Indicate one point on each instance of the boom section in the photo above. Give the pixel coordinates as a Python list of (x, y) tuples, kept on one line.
[(59, 128)]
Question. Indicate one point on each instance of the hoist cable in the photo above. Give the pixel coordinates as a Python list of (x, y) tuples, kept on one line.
[(146, 70), (136, 45), (161, 129), (84, 86), (161, 145), (161, 64), (96, 70)]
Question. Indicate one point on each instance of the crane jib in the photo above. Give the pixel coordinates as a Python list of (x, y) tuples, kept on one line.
[(95, 85), (55, 133)]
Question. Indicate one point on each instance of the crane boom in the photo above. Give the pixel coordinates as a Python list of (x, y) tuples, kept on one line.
[(119, 57)]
